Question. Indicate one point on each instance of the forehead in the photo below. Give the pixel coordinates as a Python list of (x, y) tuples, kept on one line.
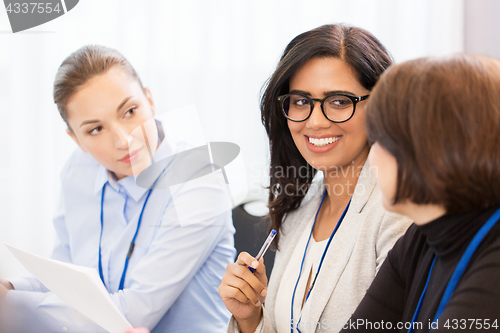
[(102, 93), (319, 75)]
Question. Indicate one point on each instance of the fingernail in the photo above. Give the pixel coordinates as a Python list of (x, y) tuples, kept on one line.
[(257, 304), (255, 263), (263, 292)]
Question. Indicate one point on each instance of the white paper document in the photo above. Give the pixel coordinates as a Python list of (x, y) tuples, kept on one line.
[(80, 287)]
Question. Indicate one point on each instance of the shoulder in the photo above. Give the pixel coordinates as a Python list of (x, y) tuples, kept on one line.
[(367, 202), (376, 225), (411, 241), (408, 250), (489, 249)]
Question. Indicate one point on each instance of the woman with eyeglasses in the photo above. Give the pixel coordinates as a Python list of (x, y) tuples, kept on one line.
[(333, 234), (435, 123)]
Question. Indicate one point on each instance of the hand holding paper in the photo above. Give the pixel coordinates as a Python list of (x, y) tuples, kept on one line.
[(78, 286)]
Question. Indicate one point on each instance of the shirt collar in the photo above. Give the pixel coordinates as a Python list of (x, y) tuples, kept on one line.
[(101, 179), (128, 184)]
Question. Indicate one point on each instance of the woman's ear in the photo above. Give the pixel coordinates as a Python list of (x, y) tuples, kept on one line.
[(149, 96), (73, 136)]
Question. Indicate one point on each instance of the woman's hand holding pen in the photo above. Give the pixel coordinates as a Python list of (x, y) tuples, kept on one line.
[(243, 292)]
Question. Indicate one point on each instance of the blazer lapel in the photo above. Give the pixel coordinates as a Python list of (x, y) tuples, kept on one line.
[(341, 247), (295, 224)]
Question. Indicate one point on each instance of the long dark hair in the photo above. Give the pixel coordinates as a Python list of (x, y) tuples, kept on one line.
[(367, 57)]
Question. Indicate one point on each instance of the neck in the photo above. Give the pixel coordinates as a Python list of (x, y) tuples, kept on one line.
[(119, 176), (340, 183), (422, 214)]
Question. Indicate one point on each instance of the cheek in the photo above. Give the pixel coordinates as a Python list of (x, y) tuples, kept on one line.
[(355, 127), (385, 168), (388, 186), (295, 129), (99, 153), (97, 149)]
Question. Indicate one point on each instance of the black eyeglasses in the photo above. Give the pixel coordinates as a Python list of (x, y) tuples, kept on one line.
[(337, 108)]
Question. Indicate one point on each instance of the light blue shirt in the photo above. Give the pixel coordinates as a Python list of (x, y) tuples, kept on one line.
[(175, 270)]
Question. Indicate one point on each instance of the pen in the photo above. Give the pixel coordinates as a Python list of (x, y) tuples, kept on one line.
[(264, 248)]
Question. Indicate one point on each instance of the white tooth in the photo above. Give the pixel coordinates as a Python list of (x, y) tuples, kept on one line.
[(323, 141)]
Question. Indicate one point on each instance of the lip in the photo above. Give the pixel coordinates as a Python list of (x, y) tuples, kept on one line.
[(323, 149), (129, 158)]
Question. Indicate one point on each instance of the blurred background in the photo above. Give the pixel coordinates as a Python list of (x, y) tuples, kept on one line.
[(215, 55)]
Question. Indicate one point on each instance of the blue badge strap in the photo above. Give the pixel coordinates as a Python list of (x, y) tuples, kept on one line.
[(132, 243), (421, 300), (459, 270), (323, 256), (462, 264), (328, 245), (302, 263), (100, 236)]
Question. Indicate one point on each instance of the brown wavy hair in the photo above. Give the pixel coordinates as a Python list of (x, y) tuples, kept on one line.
[(440, 119), (367, 57)]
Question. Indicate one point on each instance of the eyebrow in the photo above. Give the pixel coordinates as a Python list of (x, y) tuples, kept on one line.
[(123, 103), (117, 110), (88, 122), (326, 93)]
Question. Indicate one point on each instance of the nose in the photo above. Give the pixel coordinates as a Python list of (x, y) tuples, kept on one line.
[(317, 119), (122, 138)]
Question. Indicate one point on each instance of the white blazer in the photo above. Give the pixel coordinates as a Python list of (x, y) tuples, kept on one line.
[(355, 255)]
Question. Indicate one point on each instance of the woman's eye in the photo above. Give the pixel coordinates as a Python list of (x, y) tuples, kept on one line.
[(95, 130), (300, 102), (340, 102), (130, 111)]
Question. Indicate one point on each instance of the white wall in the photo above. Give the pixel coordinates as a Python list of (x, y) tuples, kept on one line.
[(482, 27), (214, 54)]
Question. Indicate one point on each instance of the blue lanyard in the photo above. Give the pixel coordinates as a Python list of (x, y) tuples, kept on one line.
[(459, 270), (321, 261), (132, 243)]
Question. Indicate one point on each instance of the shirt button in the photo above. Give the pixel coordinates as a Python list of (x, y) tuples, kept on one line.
[(65, 329)]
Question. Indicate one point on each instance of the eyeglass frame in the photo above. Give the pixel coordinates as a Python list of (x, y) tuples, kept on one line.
[(355, 100)]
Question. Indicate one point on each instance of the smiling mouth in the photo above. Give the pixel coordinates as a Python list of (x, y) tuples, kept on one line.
[(323, 141)]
